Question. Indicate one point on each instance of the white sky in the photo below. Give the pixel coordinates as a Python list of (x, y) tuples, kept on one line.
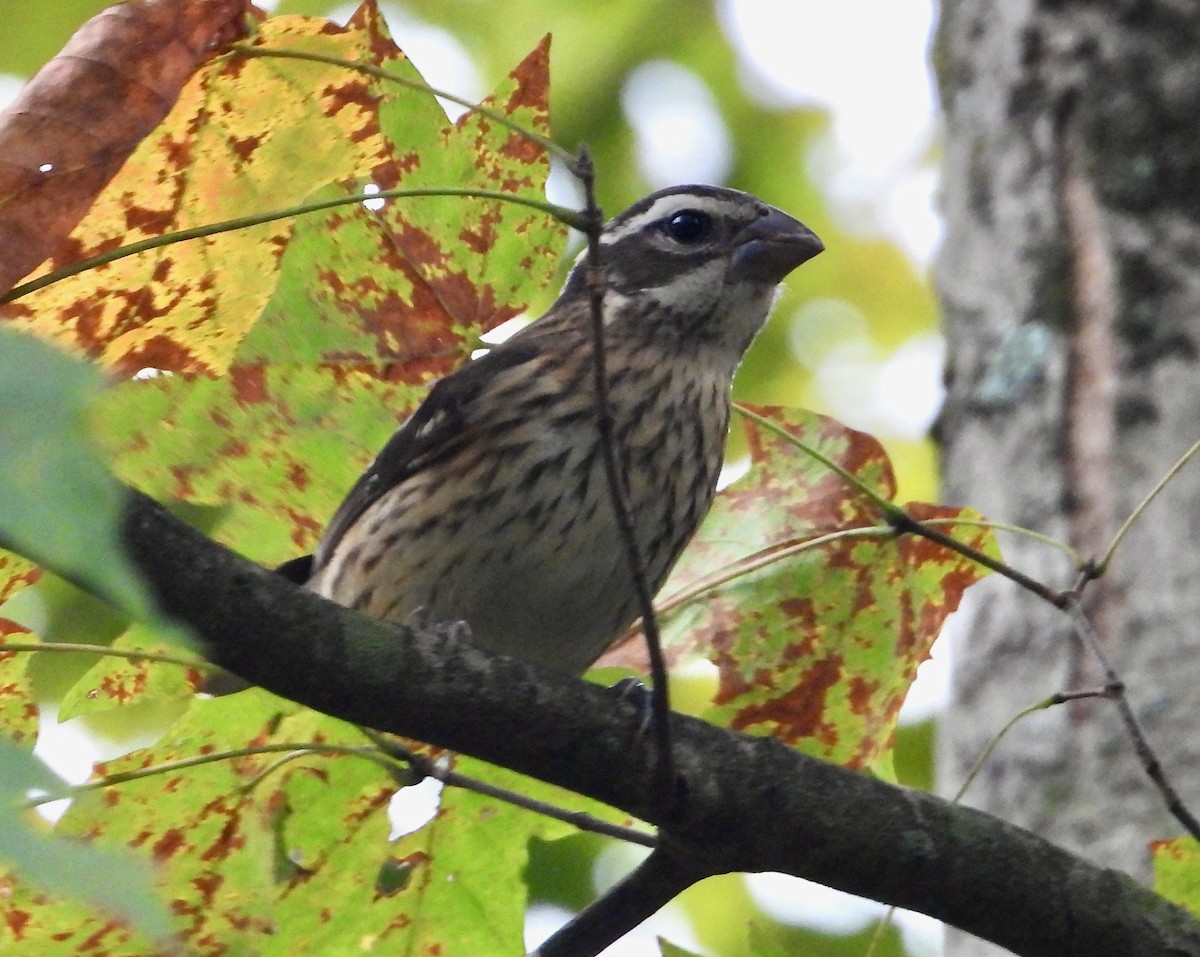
[(864, 61)]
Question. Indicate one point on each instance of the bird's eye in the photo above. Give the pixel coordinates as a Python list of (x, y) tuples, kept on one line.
[(688, 226)]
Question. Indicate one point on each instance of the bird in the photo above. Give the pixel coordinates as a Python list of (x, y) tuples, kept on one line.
[(490, 504)]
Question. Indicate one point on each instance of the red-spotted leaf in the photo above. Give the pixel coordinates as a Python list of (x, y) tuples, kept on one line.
[(251, 135), (240, 140), (815, 614), (43, 863), (370, 304), (279, 852), (113, 682), (18, 707), (211, 841), (328, 337)]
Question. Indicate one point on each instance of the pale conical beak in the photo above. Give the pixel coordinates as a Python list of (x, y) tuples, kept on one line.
[(771, 247)]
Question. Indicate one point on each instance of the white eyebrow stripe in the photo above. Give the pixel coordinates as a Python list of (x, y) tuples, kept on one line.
[(663, 207)]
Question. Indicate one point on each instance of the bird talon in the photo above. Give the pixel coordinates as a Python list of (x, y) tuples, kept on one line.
[(635, 692)]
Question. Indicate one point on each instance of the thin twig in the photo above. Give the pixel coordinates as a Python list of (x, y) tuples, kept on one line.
[(1029, 533), (577, 819), (564, 215), (997, 738), (1102, 565), (885, 921), (903, 522), (881, 927), (423, 766), (1116, 690), (131, 654), (167, 767), (1068, 601), (790, 549), (660, 700)]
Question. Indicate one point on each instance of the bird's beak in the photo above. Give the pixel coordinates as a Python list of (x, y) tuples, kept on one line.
[(772, 246)]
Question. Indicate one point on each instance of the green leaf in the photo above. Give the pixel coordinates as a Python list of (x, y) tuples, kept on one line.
[(117, 682), (239, 140), (18, 707), (58, 503), (459, 889), (211, 842), (287, 851), (667, 949), (312, 339), (66, 869), (1177, 872)]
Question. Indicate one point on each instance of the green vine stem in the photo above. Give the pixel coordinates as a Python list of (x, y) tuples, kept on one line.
[(168, 767), (563, 214), (131, 654), (1102, 566)]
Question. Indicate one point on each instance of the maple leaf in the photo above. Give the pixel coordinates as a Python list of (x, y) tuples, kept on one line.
[(815, 613)]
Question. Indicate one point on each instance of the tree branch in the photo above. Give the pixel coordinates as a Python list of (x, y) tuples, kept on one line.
[(751, 804), (653, 884)]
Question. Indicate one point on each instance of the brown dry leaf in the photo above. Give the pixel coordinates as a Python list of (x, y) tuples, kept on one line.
[(74, 124)]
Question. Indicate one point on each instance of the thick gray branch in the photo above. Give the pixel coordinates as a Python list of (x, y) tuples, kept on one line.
[(750, 804)]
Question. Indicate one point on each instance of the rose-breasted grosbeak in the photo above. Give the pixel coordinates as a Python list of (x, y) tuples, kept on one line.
[(490, 504)]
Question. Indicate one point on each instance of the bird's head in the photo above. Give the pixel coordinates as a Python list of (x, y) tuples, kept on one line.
[(702, 261)]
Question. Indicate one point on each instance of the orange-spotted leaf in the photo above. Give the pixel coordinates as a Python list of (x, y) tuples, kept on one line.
[(240, 140), (326, 332), (815, 614), (18, 706), (113, 682), (251, 135), (369, 306), (479, 265), (16, 573), (42, 863), (283, 851), (273, 447), (211, 841)]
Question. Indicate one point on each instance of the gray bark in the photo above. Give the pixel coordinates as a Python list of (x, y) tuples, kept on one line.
[(1071, 293)]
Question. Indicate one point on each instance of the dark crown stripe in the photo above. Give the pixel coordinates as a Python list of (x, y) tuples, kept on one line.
[(723, 204)]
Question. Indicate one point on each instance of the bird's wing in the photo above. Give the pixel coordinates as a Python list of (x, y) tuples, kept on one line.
[(437, 421)]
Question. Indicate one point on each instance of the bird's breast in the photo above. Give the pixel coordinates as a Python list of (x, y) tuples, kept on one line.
[(516, 533)]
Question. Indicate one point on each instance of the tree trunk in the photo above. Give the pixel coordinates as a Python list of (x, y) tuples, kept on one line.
[(1070, 280)]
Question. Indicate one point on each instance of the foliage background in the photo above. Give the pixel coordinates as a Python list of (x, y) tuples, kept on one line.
[(595, 50)]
